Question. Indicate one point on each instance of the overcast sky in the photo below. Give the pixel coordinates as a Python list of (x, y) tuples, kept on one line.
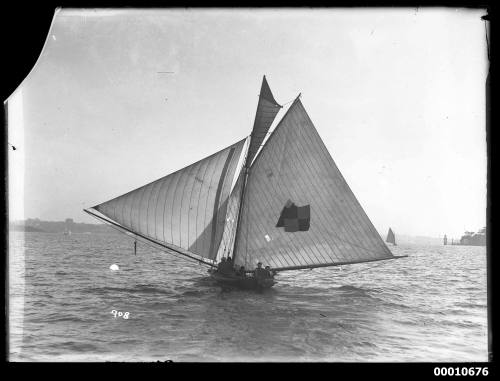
[(398, 96)]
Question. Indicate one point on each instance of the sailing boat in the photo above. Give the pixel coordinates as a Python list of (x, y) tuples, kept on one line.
[(391, 238), (289, 208)]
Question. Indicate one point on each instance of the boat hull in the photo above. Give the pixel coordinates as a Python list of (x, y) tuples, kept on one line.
[(245, 283)]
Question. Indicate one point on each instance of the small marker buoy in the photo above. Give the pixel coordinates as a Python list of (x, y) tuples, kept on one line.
[(114, 267)]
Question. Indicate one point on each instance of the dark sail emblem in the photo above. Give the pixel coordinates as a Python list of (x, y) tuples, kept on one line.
[(294, 218)]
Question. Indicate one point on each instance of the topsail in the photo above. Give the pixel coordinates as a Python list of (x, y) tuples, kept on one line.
[(267, 109)]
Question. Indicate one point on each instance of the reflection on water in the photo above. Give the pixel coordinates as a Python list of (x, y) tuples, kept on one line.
[(430, 306)]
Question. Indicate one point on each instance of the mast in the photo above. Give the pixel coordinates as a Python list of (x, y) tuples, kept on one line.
[(267, 109), (247, 172), (240, 208)]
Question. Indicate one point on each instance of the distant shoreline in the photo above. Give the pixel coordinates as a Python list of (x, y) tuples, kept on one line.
[(21, 229), (68, 227)]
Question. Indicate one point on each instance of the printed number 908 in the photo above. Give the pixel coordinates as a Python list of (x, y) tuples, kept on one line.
[(450, 371), (120, 314)]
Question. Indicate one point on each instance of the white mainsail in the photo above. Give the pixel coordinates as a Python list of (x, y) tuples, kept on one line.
[(185, 209), (298, 210)]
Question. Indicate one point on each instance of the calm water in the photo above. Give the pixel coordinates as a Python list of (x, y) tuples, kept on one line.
[(430, 306)]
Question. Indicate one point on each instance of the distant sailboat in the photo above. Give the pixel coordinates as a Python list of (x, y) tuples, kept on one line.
[(391, 238), (290, 207)]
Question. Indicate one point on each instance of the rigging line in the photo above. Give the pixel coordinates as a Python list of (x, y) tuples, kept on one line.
[(335, 264), (149, 243), (353, 244), (368, 268), (146, 240), (280, 123)]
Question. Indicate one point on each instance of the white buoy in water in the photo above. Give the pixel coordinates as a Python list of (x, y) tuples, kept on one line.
[(114, 267)]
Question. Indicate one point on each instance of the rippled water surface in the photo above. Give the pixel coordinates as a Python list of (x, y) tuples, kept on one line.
[(430, 306)]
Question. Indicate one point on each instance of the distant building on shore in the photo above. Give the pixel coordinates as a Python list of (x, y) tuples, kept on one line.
[(474, 239)]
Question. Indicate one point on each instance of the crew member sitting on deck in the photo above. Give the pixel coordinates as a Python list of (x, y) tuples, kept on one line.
[(230, 265), (259, 272), (269, 273), (241, 271), (221, 264), (226, 266)]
